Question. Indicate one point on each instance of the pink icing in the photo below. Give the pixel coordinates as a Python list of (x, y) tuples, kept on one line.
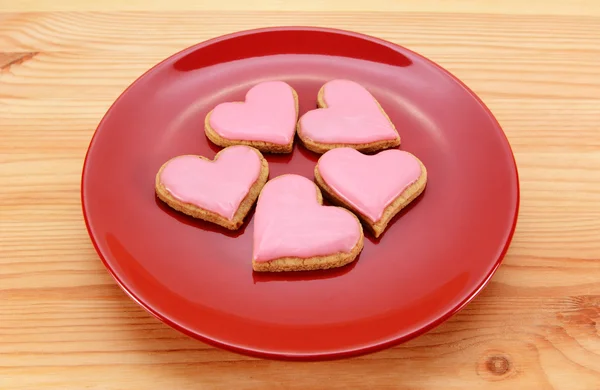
[(218, 186), (369, 183), (289, 222), (268, 114), (352, 116)]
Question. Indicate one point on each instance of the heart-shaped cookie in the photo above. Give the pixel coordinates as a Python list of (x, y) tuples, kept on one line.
[(376, 187), (266, 120), (293, 231), (349, 116), (221, 191)]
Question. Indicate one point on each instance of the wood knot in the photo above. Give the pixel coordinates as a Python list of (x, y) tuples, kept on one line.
[(497, 365), (7, 60)]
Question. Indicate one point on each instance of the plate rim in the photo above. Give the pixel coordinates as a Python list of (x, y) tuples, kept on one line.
[(303, 356)]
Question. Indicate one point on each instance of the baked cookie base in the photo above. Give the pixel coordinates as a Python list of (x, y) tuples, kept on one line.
[(319, 147), (207, 215), (378, 227), (308, 264), (263, 146), (312, 263)]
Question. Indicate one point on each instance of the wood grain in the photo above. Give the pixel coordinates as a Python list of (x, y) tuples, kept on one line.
[(519, 7), (64, 324)]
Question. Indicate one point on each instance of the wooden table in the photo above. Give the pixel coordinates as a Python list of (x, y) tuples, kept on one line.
[(64, 323)]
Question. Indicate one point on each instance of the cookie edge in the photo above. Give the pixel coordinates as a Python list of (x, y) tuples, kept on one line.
[(210, 216)]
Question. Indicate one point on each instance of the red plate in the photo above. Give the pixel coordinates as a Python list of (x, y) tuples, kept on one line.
[(435, 257)]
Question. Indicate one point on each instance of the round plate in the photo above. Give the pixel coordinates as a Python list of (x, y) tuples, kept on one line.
[(435, 256)]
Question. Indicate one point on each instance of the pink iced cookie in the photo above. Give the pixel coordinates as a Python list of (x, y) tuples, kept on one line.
[(293, 231), (266, 120), (349, 116), (221, 191), (376, 187)]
